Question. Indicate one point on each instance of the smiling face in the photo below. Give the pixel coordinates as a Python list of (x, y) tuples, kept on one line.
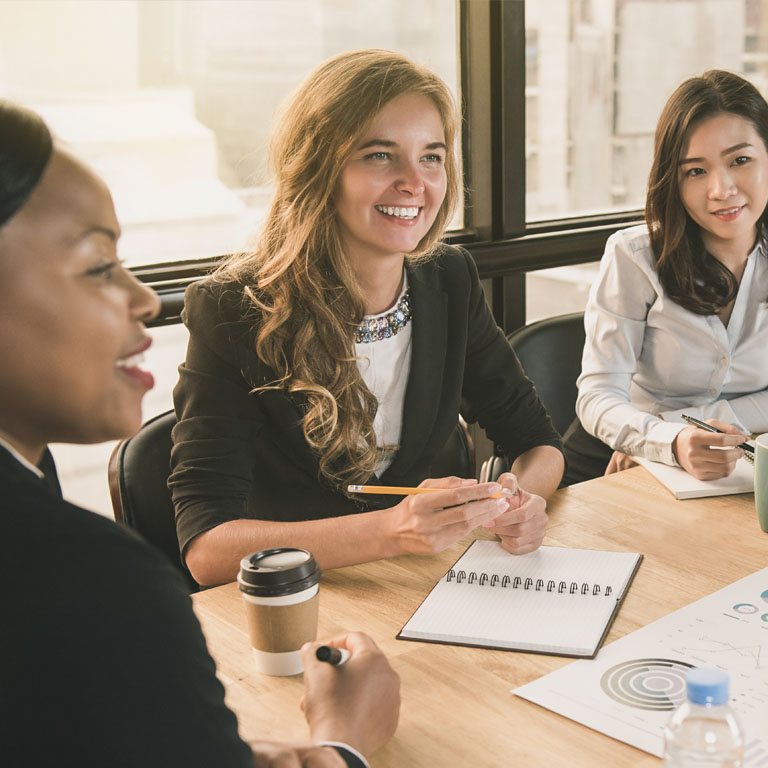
[(71, 317), (723, 179), (394, 182)]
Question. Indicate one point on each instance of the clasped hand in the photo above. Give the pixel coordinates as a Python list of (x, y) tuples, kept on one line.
[(522, 526)]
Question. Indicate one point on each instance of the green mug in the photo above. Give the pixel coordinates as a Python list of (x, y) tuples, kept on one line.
[(761, 480)]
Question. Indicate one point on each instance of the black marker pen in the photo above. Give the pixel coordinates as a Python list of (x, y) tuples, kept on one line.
[(335, 656)]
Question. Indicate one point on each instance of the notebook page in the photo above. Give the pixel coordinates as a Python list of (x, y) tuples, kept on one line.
[(519, 618)]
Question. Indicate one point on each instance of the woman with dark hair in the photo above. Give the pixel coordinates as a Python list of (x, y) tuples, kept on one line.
[(343, 348), (677, 319), (102, 661)]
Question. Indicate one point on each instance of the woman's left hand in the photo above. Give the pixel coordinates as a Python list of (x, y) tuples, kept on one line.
[(522, 527), (619, 462)]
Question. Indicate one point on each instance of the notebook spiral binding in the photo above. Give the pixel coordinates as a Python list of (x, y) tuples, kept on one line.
[(505, 581)]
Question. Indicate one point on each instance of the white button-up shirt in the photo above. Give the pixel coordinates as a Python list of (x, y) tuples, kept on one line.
[(647, 359)]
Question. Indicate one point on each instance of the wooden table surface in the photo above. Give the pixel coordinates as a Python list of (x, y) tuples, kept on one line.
[(457, 709)]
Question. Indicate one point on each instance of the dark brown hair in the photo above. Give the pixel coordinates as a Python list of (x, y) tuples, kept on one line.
[(688, 273)]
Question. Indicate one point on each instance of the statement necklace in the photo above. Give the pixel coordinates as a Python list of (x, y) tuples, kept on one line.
[(387, 325)]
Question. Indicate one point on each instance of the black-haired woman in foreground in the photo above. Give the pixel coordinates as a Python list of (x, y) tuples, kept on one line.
[(677, 321), (102, 661)]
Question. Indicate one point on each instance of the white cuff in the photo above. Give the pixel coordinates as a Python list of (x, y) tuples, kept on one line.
[(659, 439), (346, 747)]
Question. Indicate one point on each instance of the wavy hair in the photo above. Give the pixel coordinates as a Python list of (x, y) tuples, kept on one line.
[(299, 285), (688, 273)]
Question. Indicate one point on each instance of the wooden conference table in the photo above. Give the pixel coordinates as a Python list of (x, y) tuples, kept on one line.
[(457, 709)]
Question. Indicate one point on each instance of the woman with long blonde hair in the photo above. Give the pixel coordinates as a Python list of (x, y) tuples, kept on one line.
[(347, 343)]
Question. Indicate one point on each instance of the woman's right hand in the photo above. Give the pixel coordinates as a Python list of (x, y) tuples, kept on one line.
[(694, 454), (357, 703), (429, 522)]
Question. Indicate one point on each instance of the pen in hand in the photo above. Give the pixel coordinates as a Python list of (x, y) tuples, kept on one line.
[(749, 451), (332, 655)]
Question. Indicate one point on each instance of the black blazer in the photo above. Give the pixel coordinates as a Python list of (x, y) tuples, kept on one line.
[(91, 611), (243, 455)]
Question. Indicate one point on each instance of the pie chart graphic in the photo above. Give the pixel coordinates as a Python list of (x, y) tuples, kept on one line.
[(745, 608), (765, 596), (654, 684)]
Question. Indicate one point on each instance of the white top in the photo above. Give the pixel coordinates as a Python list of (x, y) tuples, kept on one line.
[(384, 366), (647, 360)]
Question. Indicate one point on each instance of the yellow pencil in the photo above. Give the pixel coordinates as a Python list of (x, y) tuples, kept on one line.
[(395, 490)]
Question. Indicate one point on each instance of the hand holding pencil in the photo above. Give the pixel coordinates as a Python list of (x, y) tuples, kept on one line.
[(438, 513)]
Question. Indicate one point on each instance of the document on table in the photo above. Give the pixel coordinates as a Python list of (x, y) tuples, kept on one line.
[(630, 690)]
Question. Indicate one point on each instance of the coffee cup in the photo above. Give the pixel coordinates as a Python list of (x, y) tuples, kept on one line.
[(280, 594), (761, 480)]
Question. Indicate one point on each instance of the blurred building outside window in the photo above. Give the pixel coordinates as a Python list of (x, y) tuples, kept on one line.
[(598, 73), (172, 101)]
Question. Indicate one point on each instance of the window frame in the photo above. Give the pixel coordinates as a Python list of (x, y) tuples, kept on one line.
[(504, 245)]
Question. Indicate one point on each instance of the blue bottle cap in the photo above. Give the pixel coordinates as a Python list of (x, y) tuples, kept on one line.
[(707, 686)]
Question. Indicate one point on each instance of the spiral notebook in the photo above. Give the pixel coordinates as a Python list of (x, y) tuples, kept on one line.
[(555, 600)]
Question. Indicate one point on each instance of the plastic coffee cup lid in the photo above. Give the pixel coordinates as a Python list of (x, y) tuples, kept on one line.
[(279, 571)]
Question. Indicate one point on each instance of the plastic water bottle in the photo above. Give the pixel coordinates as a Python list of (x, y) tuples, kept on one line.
[(703, 731)]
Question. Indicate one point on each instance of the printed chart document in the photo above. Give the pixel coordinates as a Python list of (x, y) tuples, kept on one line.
[(629, 691), (686, 486), (554, 600)]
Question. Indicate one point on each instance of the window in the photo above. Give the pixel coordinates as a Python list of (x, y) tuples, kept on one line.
[(602, 74), (172, 101), (597, 76)]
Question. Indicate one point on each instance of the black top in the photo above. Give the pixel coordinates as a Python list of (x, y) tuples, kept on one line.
[(102, 661), (243, 455)]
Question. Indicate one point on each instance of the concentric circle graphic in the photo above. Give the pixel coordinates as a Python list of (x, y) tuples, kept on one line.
[(656, 684)]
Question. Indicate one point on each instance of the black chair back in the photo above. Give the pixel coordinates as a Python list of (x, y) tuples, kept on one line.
[(138, 476), (550, 352), (139, 468)]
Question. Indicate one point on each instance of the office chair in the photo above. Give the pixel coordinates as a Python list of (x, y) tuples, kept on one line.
[(139, 468), (138, 472), (550, 352)]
